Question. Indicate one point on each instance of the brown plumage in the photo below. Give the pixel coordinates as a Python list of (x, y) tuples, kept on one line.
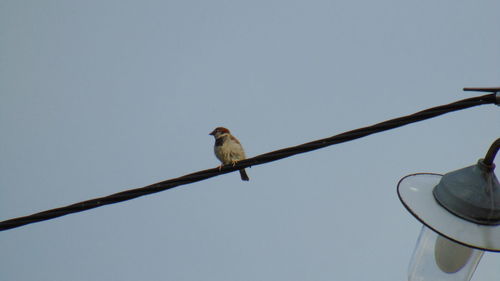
[(228, 149)]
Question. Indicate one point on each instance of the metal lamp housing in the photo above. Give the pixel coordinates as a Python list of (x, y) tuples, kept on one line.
[(471, 193), (449, 246), (416, 192)]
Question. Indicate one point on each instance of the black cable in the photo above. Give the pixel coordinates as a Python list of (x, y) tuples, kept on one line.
[(261, 159)]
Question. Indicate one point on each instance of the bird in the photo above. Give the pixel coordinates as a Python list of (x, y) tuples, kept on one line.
[(228, 149)]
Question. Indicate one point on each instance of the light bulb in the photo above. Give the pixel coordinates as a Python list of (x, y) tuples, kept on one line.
[(436, 258)]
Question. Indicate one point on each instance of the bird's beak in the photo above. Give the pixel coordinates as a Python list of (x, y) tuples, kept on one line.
[(212, 133)]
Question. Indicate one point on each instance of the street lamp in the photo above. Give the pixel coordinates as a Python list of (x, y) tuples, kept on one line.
[(460, 212)]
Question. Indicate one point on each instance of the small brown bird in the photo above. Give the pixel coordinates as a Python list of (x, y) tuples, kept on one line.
[(228, 149)]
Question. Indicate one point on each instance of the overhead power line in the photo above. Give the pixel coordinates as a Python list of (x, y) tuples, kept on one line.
[(257, 160)]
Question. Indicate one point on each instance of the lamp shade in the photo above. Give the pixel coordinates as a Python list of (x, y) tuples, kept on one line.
[(416, 193)]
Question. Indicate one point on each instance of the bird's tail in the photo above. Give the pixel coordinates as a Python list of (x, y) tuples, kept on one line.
[(244, 175)]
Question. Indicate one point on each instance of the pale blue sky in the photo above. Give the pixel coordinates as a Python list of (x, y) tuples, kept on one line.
[(101, 96)]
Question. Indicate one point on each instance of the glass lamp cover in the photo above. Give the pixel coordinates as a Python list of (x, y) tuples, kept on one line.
[(437, 258)]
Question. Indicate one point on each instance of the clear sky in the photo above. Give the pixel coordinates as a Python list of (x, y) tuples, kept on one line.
[(101, 96)]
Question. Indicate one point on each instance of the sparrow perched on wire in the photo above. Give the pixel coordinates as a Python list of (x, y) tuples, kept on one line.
[(228, 149)]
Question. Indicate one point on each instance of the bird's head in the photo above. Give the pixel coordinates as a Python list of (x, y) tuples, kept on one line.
[(217, 132)]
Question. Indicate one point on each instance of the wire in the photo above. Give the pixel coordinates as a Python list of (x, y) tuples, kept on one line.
[(257, 160)]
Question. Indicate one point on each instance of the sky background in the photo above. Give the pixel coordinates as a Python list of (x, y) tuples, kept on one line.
[(98, 96)]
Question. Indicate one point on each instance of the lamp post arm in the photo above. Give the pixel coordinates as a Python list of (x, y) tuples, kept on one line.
[(490, 155)]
